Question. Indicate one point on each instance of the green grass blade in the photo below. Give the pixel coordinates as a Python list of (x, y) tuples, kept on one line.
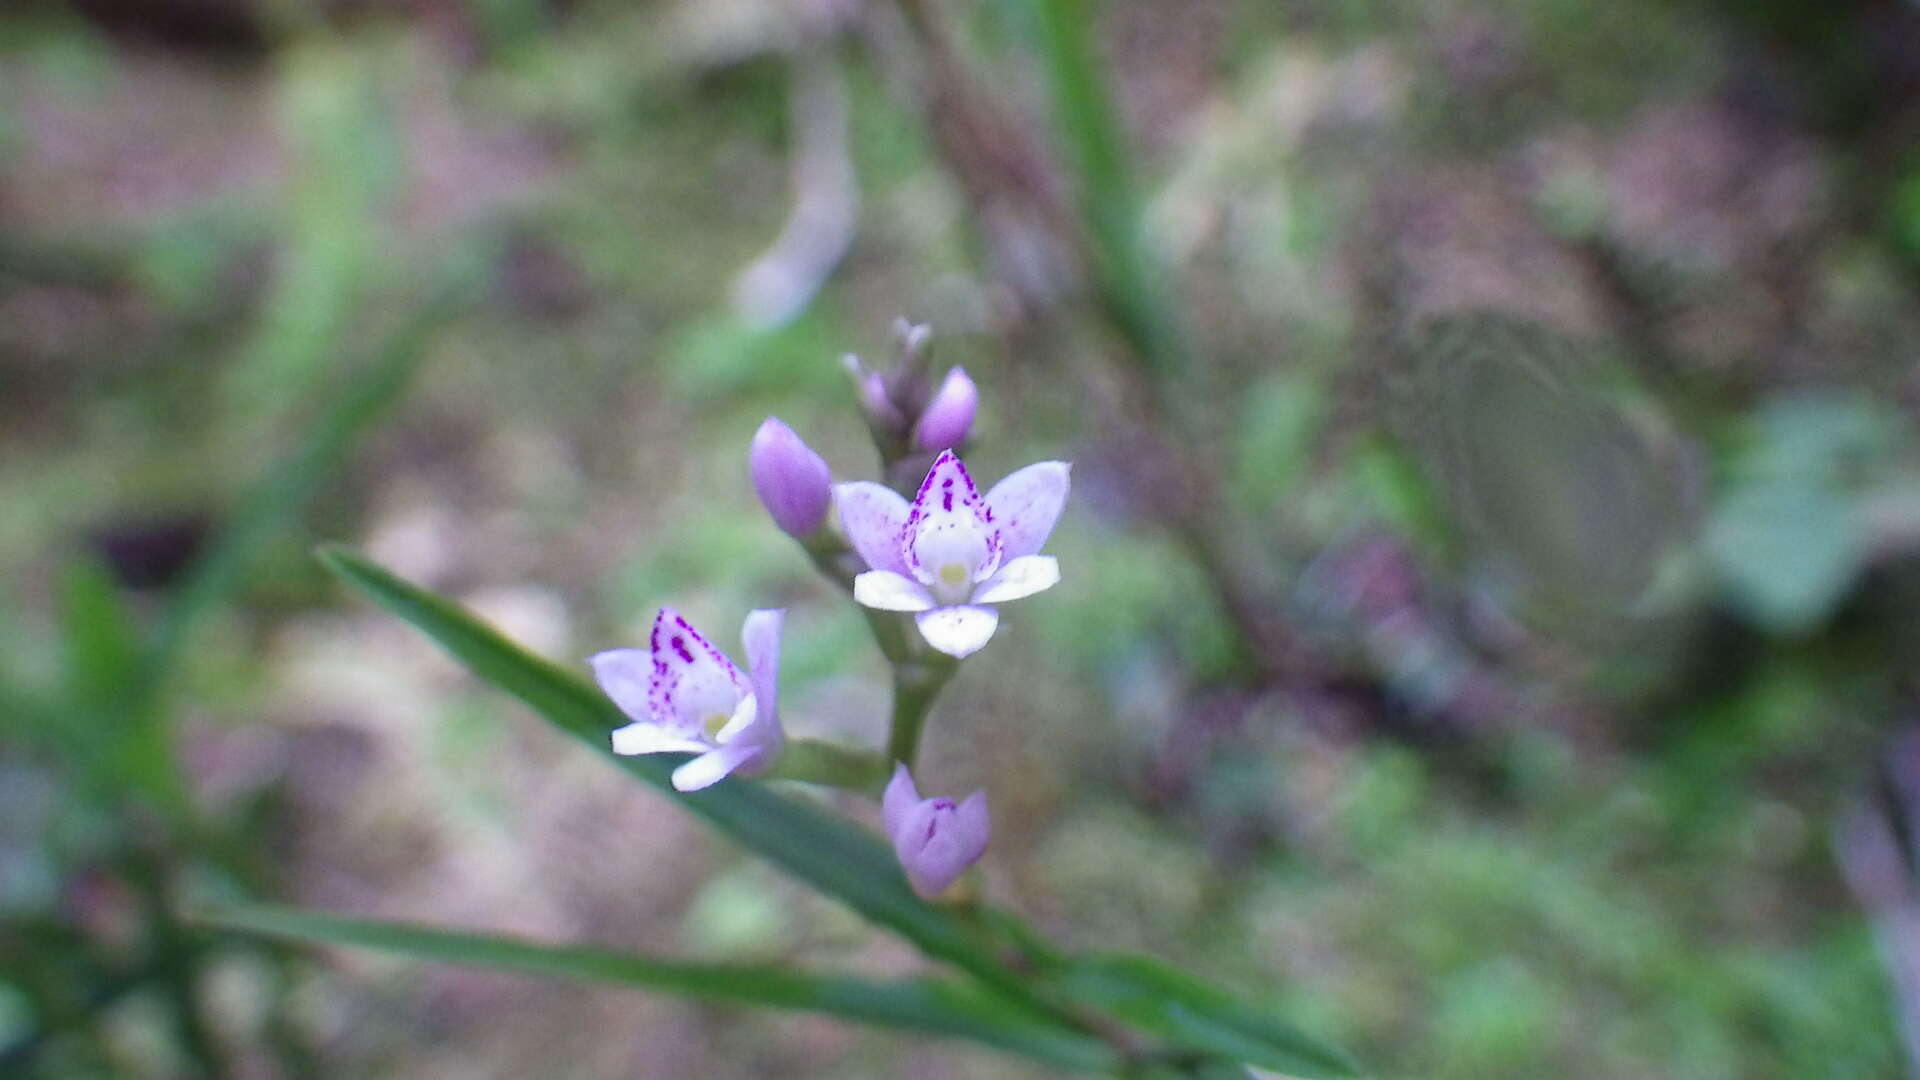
[(827, 853), (263, 515), (102, 656), (927, 1006), (108, 725), (1194, 1015), (1127, 274)]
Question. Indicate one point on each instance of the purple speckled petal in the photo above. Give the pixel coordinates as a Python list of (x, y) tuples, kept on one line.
[(888, 591), (692, 680), (960, 630), (875, 519), (1026, 505), (948, 525), (1023, 576), (624, 674)]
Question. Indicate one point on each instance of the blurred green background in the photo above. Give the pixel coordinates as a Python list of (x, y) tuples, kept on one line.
[(1547, 371)]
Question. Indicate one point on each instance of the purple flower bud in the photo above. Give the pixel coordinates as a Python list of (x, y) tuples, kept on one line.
[(935, 839), (876, 402), (792, 481), (948, 417)]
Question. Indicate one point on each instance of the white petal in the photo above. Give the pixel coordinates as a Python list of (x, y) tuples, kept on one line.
[(654, 739), (712, 767), (742, 719), (761, 636), (625, 674), (889, 591), (692, 680), (960, 630), (875, 521), (1025, 506), (1024, 576)]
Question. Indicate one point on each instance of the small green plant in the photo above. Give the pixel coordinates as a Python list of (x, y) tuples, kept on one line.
[(681, 716)]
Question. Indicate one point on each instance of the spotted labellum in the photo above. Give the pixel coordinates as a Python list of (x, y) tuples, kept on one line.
[(952, 554), (685, 697)]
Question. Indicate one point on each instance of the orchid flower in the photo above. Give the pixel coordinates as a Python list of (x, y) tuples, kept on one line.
[(685, 697), (936, 839), (951, 554)]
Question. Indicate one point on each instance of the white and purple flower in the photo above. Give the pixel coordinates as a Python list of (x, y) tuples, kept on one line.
[(951, 554), (936, 839), (685, 697)]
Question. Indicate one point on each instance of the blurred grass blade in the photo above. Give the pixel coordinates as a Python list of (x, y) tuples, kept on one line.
[(1088, 123), (108, 721), (827, 853), (262, 517), (101, 644), (929, 1006), (1195, 1016)]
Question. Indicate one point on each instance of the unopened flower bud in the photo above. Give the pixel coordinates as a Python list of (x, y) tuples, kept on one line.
[(876, 401), (792, 481), (936, 839), (949, 416)]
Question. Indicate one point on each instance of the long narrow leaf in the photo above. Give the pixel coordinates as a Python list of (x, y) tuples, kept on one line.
[(1125, 268), (838, 859), (109, 725), (1194, 1015), (928, 1006), (262, 517)]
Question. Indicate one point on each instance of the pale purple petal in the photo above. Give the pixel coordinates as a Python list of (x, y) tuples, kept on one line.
[(874, 518), (945, 421), (761, 637), (937, 841), (1025, 506), (654, 739), (692, 680), (958, 630), (949, 538), (889, 591), (625, 674), (1024, 576), (793, 482), (900, 799), (713, 766), (972, 822)]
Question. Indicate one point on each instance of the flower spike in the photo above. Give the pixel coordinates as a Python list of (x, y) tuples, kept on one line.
[(952, 553), (935, 839), (684, 696)]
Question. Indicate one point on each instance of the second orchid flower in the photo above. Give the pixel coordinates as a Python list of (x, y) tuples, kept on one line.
[(952, 554)]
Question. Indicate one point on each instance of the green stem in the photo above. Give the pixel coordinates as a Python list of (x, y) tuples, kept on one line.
[(816, 761), (916, 685), (919, 673)]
